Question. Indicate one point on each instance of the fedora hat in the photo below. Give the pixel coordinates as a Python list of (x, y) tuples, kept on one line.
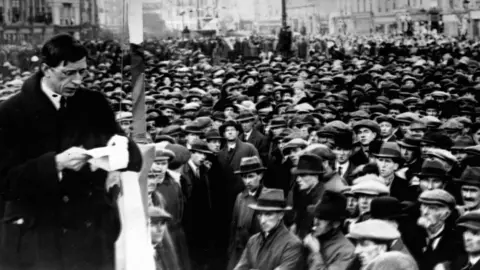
[(250, 164), (409, 142), (389, 150), (193, 128), (271, 200), (200, 146), (387, 207), (333, 206), (470, 176), (230, 123), (245, 116), (309, 164), (213, 134), (432, 168)]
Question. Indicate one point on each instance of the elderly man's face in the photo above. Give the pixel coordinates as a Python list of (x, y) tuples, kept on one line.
[(65, 79), (269, 220), (471, 196), (471, 240), (368, 250), (432, 216)]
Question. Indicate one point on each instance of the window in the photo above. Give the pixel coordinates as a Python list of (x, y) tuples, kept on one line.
[(66, 14), (15, 11)]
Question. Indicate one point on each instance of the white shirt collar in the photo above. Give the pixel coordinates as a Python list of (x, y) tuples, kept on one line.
[(473, 259), (193, 166), (247, 134), (344, 167), (52, 96)]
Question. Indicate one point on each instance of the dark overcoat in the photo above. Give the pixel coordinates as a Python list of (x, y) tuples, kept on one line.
[(48, 223), (260, 142)]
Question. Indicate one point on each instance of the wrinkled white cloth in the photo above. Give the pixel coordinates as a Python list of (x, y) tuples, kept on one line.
[(112, 157)]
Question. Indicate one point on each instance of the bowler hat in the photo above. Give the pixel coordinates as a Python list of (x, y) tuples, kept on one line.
[(333, 206), (309, 164), (200, 146), (271, 200), (387, 208), (230, 123), (470, 176), (250, 164)]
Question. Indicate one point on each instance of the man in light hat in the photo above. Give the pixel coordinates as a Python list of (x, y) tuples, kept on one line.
[(328, 247), (166, 257), (244, 224), (438, 249), (372, 238), (274, 247), (366, 188), (125, 120)]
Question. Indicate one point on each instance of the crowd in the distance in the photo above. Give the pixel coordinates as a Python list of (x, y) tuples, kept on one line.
[(340, 152)]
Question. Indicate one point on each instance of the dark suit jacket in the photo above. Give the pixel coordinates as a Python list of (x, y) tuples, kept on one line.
[(260, 142), (448, 249), (68, 224), (198, 207)]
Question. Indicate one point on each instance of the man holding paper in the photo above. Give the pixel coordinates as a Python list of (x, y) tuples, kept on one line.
[(59, 213)]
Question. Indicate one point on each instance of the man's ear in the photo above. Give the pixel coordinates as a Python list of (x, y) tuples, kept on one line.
[(45, 68)]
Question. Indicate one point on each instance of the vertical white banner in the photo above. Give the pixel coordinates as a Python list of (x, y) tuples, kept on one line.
[(135, 21)]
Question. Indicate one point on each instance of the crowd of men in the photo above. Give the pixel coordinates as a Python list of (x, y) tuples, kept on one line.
[(361, 153)]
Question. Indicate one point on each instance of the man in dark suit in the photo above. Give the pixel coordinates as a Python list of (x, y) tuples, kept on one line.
[(198, 214), (230, 157), (252, 135), (58, 213)]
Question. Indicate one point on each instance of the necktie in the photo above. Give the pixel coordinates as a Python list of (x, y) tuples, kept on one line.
[(63, 104), (339, 170)]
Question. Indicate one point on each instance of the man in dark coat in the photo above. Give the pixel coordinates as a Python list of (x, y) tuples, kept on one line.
[(59, 214), (230, 157), (252, 135), (198, 215), (244, 224), (469, 225), (274, 247)]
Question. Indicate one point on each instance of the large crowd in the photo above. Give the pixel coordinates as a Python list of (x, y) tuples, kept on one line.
[(335, 152)]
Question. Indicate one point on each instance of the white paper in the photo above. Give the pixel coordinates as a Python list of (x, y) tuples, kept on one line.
[(112, 157)]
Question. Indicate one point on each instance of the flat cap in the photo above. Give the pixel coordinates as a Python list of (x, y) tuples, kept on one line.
[(369, 186), (437, 197), (321, 150), (442, 154), (367, 123), (374, 229)]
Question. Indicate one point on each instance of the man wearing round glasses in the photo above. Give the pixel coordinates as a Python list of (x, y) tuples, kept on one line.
[(59, 213)]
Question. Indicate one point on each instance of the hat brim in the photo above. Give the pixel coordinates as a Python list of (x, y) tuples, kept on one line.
[(240, 120), (201, 151), (406, 145), (269, 208), (260, 169), (296, 171)]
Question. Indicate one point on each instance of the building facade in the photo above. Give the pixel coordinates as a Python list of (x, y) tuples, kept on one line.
[(33, 21)]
